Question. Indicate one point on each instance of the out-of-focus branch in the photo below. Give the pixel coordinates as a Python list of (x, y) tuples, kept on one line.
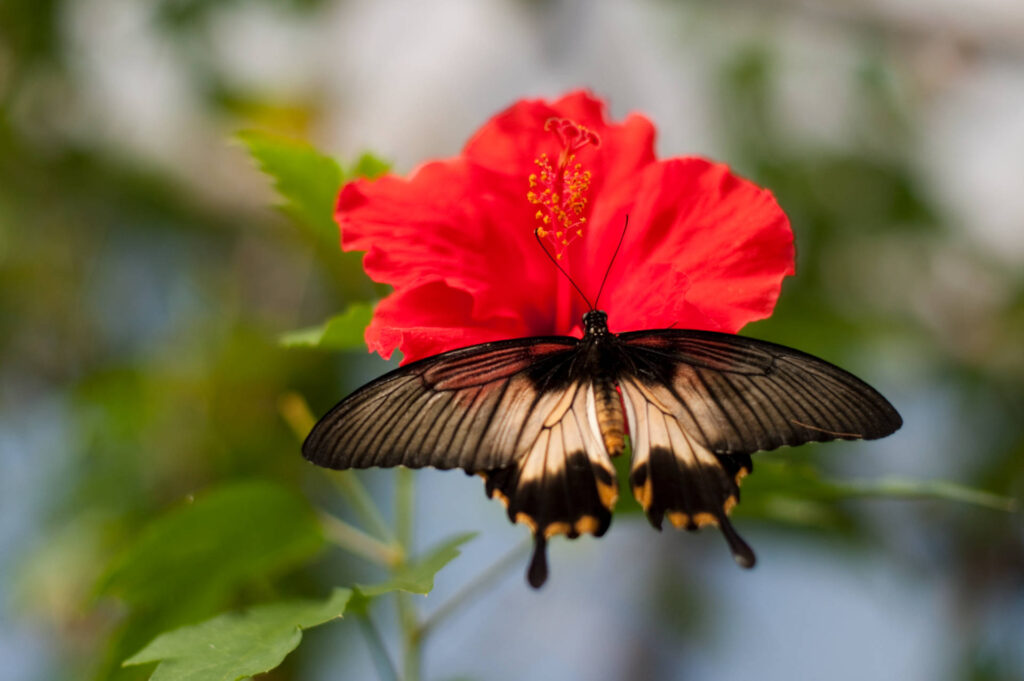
[(965, 26)]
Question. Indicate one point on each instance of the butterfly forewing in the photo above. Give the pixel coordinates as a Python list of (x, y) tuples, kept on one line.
[(741, 395), (477, 408)]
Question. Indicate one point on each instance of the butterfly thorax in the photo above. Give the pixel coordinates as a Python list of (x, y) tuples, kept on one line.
[(595, 323)]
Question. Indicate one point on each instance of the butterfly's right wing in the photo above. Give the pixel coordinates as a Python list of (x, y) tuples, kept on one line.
[(699, 403), (477, 408)]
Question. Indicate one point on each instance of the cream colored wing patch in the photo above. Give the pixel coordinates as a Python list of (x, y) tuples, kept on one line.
[(565, 482), (673, 475)]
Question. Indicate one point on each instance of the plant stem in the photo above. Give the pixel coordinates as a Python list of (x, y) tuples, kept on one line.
[(295, 411), (926, 489), (356, 494), (405, 498), (354, 540), (413, 654), (381, 659), (479, 584), (408, 618)]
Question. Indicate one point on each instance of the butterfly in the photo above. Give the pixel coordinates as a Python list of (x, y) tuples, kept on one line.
[(541, 418)]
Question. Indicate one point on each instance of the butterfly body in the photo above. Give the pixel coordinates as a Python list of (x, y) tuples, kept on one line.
[(541, 418)]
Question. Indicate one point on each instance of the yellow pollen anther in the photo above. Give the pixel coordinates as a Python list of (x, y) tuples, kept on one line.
[(562, 199)]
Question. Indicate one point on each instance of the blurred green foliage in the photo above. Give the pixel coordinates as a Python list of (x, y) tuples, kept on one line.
[(144, 317), (341, 332), (308, 181), (234, 646), (418, 576), (190, 561), (867, 235)]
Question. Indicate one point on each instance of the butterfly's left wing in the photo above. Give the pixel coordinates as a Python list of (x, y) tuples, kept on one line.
[(477, 408), (699, 403), (565, 484), (521, 413)]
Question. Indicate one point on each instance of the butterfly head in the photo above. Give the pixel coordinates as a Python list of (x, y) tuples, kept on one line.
[(595, 323)]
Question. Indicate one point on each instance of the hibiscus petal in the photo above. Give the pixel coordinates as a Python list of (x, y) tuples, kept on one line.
[(430, 318), (450, 222), (709, 251)]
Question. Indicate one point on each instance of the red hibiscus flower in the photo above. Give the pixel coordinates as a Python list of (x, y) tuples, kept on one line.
[(705, 249)]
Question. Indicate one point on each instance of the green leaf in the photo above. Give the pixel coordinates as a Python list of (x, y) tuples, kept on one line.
[(341, 332), (795, 493), (307, 180), (369, 166), (901, 488), (225, 539), (785, 488), (792, 495), (418, 576), (627, 503), (234, 646)]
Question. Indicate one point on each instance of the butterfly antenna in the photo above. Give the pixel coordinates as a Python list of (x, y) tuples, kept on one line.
[(560, 269), (608, 271)]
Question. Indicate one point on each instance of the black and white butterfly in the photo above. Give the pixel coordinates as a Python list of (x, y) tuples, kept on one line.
[(541, 418)]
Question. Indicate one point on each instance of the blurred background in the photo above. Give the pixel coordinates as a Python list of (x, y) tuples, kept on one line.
[(145, 279)]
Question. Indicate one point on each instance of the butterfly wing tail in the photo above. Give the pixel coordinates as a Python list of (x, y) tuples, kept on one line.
[(556, 499), (565, 484), (537, 573), (674, 476), (692, 490)]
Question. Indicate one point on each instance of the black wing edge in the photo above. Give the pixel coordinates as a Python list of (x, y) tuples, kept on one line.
[(315, 447)]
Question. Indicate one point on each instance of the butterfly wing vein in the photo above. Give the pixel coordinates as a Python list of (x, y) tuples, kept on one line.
[(478, 408)]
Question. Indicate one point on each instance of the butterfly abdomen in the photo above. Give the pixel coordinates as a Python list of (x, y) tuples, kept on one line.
[(599, 363), (608, 416)]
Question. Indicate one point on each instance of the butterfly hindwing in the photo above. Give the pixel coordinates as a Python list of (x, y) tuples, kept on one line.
[(674, 476), (565, 484), (477, 408)]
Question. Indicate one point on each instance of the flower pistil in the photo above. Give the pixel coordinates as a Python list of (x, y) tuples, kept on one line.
[(560, 191)]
